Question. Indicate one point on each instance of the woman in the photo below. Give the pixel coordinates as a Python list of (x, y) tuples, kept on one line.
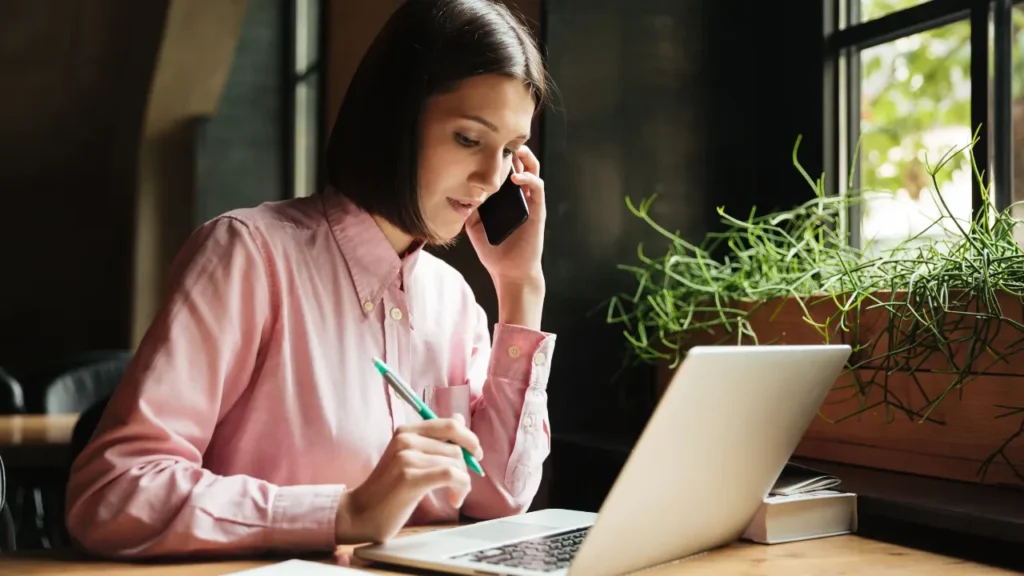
[(252, 417)]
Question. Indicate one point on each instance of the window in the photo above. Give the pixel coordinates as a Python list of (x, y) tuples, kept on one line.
[(908, 81), (306, 97)]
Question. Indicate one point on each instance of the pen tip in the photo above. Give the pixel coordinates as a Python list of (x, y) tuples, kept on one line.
[(380, 365)]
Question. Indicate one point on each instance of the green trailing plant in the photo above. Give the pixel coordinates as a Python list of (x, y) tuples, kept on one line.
[(940, 300)]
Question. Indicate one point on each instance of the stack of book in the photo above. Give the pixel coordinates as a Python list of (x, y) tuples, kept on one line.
[(804, 503)]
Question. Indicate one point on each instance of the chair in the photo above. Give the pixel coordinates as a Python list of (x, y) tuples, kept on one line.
[(77, 383), (12, 398), (55, 504), (12, 401), (85, 427), (80, 386), (7, 542)]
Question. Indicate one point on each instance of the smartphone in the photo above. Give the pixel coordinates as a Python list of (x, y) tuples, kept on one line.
[(503, 212)]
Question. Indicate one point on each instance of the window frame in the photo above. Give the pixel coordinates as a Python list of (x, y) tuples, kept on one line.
[(304, 73), (845, 37)]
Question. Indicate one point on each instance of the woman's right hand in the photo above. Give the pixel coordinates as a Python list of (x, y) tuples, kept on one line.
[(421, 457)]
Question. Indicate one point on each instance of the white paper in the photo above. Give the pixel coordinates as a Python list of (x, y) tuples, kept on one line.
[(772, 498), (300, 567)]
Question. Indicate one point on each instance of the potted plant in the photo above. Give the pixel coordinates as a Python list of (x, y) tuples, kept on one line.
[(935, 385)]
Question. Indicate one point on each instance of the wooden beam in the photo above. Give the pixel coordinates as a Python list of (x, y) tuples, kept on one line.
[(192, 67)]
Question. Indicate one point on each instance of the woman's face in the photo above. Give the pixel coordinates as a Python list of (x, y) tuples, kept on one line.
[(467, 141)]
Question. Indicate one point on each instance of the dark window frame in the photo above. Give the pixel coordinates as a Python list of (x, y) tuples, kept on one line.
[(845, 37)]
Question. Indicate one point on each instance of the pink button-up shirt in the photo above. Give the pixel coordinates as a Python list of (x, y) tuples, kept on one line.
[(253, 403)]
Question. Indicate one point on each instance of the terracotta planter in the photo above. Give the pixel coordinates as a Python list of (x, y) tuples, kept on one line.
[(962, 430)]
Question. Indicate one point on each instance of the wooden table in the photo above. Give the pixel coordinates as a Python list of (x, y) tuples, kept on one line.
[(836, 556), (36, 440)]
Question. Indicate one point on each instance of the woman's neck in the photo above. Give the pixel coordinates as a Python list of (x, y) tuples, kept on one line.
[(399, 240)]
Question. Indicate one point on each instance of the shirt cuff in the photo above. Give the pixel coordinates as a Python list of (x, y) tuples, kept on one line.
[(521, 355), (302, 517)]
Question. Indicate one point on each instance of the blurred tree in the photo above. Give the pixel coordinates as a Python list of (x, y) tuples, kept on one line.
[(911, 86), (918, 84)]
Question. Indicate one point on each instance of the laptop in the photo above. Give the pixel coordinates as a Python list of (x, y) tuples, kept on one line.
[(719, 438)]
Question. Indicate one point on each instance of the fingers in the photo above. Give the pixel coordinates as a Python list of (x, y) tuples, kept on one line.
[(405, 441), (517, 165), (449, 430), (425, 472), (533, 184), (528, 160)]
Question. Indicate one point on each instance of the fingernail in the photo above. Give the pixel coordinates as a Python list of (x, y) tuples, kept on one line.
[(479, 454)]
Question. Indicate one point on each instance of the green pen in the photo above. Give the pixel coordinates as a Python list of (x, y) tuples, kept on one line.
[(406, 393)]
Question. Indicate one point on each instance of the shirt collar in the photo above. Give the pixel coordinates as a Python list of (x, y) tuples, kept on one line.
[(372, 262)]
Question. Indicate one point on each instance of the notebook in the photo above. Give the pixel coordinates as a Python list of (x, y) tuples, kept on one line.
[(802, 505), (803, 517), (300, 568), (799, 479)]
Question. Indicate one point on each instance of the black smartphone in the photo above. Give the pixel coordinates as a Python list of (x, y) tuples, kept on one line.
[(503, 212)]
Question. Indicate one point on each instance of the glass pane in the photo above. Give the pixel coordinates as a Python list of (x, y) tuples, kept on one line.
[(871, 9), (306, 111), (306, 122), (915, 106), (307, 30), (1017, 111)]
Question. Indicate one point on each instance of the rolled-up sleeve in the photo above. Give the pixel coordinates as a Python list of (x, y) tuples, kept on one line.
[(139, 488), (509, 379)]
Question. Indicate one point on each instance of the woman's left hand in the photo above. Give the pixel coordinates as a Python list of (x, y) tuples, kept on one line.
[(517, 260)]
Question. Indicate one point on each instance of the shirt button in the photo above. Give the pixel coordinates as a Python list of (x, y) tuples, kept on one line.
[(539, 359), (396, 314), (368, 306), (513, 351), (530, 420)]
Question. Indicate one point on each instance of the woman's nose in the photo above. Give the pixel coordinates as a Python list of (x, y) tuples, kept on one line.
[(489, 174)]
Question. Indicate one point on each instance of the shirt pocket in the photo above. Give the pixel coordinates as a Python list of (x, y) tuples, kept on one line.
[(447, 401)]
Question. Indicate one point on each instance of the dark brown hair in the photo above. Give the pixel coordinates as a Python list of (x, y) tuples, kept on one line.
[(425, 48)]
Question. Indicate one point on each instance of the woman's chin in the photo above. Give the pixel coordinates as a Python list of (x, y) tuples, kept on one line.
[(447, 237)]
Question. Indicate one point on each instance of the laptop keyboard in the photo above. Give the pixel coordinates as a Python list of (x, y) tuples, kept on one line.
[(544, 554)]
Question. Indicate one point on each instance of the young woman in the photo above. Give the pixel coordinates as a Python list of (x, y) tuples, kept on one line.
[(252, 417)]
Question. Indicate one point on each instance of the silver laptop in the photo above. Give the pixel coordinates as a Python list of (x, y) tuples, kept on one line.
[(717, 441)]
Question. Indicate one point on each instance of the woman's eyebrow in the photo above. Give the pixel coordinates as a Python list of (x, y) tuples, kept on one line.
[(490, 125)]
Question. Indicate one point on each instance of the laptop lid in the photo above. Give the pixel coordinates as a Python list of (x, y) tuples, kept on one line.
[(723, 431)]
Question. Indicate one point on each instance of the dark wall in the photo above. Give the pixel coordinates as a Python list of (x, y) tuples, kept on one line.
[(240, 153), (632, 121), (68, 156), (699, 101), (76, 79)]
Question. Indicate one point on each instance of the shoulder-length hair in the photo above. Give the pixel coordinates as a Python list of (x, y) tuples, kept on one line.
[(425, 48)]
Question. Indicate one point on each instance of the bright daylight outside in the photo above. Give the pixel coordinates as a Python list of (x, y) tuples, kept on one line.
[(915, 107)]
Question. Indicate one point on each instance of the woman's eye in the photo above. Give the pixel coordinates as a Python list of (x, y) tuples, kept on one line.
[(506, 152), (465, 140)]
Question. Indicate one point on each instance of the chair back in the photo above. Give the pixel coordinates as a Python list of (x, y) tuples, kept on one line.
[(80, 387), (12, 397), (85, 426), (7, 540)]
